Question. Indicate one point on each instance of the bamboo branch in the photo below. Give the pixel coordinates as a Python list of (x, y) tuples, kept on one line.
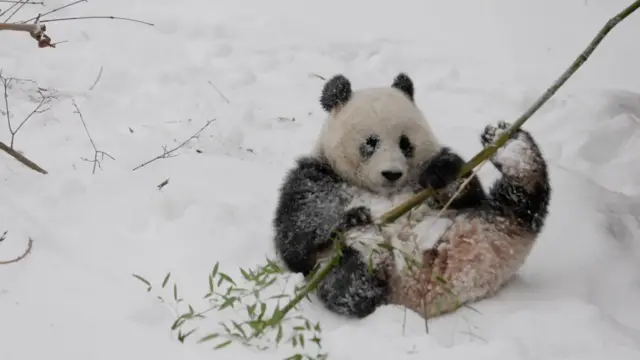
[(486, 153)]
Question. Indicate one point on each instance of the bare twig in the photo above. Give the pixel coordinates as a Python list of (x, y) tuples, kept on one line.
[(169, 153), (9, 149), (219, 92), (26, 2), (44, 100), (20, 4), (22, 256), (98, 17), (2, 13), (97, 79), (96, 152), (317, 76), (16, 3), (54, 10), (3, 237), (487, 152)]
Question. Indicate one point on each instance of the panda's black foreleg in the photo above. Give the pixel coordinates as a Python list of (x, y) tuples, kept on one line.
[(441, 172), (351, 288), (310, 206), (524, 189)]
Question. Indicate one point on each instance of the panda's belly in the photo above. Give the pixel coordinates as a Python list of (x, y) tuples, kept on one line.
[(411, 234)]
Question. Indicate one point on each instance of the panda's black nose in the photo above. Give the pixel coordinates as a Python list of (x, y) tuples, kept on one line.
[(392, 175)]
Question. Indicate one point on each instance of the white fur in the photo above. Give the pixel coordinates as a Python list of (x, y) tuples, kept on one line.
[(409, 235), (387, 113)]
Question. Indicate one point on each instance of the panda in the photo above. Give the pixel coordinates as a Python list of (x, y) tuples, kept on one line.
[(377, 149)]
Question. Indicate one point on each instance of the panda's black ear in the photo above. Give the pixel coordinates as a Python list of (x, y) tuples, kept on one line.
[(404, 83), (336, 91)]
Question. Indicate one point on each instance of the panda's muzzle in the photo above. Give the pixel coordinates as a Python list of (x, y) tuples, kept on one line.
[(392, 176)]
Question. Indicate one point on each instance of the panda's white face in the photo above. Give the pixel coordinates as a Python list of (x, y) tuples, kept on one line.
[(377, 139)]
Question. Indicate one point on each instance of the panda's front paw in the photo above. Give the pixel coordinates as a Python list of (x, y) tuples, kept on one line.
[(357, 216), (441, 171), (352, 218), (493, 132)]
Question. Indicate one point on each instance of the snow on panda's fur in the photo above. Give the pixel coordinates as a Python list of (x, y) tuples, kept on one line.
[(375, 150)]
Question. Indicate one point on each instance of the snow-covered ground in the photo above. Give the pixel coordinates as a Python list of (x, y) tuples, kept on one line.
[(473, 62)]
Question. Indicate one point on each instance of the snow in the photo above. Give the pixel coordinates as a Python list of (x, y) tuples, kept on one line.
[(74, 296)]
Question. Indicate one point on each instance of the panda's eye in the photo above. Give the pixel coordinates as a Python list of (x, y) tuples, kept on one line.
[(369, 146), (372, 141), (406, 146)]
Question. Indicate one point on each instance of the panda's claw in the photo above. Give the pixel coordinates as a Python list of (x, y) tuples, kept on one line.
[(503, 125), (492, 132)]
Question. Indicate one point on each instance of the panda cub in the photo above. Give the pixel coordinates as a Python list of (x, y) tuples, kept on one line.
[(376, 149)]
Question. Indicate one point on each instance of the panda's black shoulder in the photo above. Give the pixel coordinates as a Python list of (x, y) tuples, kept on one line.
[(309, 184), (313, 168)]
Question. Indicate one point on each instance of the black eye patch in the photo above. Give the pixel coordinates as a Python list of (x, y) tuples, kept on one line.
[(406, 146), (369, 147)]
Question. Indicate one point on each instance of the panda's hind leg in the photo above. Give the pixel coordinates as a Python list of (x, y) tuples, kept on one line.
[(523, 189), (351, 288)]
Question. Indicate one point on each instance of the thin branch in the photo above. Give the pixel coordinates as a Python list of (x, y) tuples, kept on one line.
[(9, 149), (26, 2), (219, 92), (44, 100), (26, 252), (169, 153), (37, 110), (5, 84), (97, 79), (96, 152), (486, 153), (20, 4), (98, 17), (55, 10), (317, 76), (23, 159), (9, 9)]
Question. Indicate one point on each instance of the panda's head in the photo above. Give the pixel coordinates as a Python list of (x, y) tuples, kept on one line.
[(375, 138)]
